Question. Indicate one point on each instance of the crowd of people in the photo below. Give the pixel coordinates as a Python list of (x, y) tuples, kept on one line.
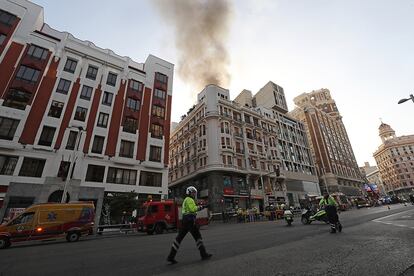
[(248, 215)]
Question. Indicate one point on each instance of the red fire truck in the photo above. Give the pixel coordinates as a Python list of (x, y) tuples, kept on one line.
[(165, 215)]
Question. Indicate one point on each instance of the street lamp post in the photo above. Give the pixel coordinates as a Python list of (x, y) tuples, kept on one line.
[(404, 100), (72, 162)]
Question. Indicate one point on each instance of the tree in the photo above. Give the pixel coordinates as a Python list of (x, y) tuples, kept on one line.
[(120, 203)]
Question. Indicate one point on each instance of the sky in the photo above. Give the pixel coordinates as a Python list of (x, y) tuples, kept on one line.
[(362, 51)]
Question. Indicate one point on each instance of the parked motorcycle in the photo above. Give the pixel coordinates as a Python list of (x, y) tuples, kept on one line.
[(309, 216), (288, 215)]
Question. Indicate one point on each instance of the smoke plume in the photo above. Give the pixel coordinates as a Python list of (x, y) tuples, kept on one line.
[(201, 30)]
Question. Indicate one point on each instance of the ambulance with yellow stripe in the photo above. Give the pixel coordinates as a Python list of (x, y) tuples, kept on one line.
[(49, 220)]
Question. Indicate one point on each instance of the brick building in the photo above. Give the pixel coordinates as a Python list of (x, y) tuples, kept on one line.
[(334, 158), (63, 100)]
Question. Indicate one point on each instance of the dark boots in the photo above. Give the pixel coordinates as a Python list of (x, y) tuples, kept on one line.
[(333, 228), (173, 252), (174, 248), (203, 253)]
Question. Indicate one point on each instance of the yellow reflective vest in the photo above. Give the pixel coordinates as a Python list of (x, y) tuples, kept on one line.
[(189, 206)]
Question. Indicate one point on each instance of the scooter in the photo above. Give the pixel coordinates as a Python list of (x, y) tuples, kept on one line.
[(308, 216), (288, 215)]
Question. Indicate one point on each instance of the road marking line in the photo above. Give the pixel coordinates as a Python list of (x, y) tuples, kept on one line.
[(396, 214)]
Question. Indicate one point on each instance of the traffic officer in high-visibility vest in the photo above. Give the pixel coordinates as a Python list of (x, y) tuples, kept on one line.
[(188, 224), (330, 205)]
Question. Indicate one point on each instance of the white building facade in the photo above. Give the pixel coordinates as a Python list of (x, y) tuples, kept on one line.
[(232, 152)]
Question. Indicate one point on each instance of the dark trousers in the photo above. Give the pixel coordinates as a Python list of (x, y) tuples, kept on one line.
[(188, 225), (332, 216)]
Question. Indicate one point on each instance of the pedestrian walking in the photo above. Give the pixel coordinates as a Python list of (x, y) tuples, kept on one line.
[(330, 206), (189, 211)]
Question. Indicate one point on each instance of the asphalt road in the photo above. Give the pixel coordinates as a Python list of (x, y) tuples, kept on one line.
[(374, 241)]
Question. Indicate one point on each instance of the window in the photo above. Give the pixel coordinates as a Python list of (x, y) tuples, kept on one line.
[(98, 143), (130, 125), (63, 171), (8, 128), (70, 65), (2, 38), (17, 99), (95, 173), (27, 74), (111, 80), (121, 176), (167, 208), (86, 92), (136, 85), (159, 94), (6, 18), (133, 104), (46, 137), (7, 164), (32, 167), (80, 113), (127, 149), (103, 120), (156, 131), (153, 209), (107, 98), (158, 111), (161, 77), (150, 179), (55, 109), (25, 218), (155, 154), (63, 86), (37, 52), (92, 72), (70, 145)]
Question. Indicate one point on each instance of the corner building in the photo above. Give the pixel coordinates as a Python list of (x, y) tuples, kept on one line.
[(232, 152), (63, 100), (395, 160), (331, 148)]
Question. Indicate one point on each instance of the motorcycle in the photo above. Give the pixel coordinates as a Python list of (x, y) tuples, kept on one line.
[(288, 215), (308, 216)]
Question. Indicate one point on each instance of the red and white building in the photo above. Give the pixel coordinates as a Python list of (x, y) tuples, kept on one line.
[(62, 97)]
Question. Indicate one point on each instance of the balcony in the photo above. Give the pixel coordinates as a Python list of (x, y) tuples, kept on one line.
[(228, 115), (252, 152), (238, 135)]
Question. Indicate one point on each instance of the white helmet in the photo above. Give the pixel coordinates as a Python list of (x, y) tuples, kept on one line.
[(190, 190)]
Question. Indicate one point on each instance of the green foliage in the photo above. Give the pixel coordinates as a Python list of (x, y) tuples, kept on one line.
[(122, 202)]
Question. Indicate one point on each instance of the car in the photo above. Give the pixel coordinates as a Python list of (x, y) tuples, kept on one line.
[(361, 203)]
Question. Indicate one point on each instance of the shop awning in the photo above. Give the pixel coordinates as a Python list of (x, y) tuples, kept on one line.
[(236, 196)]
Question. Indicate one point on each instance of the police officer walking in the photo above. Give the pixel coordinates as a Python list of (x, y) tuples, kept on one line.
[(330, 206), (189, 210)]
